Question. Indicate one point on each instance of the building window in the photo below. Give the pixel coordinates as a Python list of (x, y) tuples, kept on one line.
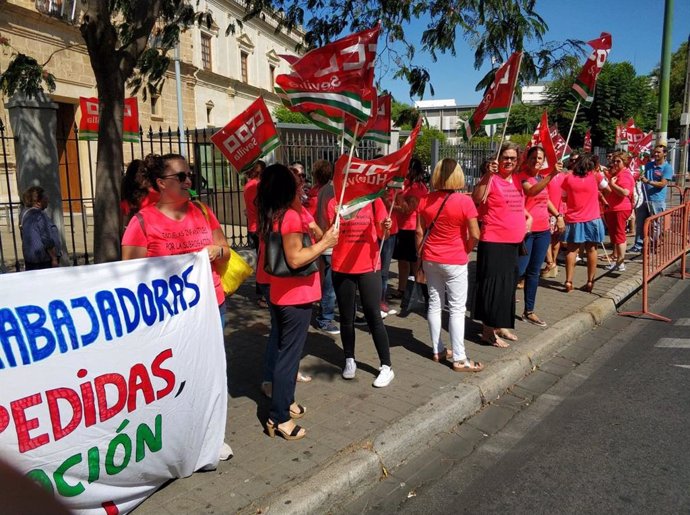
[(209, 109), (244, 66), (156, 106), (272, 74), (206, 51)]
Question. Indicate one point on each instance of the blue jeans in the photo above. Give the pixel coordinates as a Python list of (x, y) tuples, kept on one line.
[(327, 314), (537, 244), (271, 353), (643, 212), (386, 257)]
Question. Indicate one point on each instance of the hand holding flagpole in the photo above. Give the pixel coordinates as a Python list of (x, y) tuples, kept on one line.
[(390, 214)]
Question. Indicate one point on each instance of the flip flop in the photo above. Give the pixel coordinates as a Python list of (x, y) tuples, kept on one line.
[(468, 366), (495, 341)]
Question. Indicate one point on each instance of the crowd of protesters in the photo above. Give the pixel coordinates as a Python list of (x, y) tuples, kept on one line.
[(518, 214)]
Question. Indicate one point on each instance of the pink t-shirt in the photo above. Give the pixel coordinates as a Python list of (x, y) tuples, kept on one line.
[(293, 291), (447, 239), (250, 190), (582, 194), (357, 251), (617, 202), (504, 212), (537, 205), (408, 222), (163, 236), (556, 192)]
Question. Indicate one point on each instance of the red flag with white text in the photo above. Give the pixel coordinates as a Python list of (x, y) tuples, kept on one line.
[(368, 180), (586, 81), (339, 75), (248, 137), (495, 106), (88, 125)]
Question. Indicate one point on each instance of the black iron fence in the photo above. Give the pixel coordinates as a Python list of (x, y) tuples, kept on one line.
[(215, 182)]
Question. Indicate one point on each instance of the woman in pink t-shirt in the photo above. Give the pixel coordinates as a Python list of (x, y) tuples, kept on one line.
[(619, 207), (174, 225), (280, 210), (535, 181), (504, 224), (583, 223), (405, 211), (447, 230)]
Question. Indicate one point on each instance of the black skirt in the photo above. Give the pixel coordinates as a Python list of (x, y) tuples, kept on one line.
[(497, 271)]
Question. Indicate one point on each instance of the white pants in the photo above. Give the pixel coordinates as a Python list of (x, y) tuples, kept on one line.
[(451, 280)]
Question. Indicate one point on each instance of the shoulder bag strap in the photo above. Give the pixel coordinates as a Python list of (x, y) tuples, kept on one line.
[(431, 225)]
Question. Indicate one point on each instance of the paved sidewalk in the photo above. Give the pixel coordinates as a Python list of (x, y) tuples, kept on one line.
[(353, 429)]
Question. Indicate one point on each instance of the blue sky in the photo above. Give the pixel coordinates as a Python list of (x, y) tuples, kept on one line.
[(635, 25)]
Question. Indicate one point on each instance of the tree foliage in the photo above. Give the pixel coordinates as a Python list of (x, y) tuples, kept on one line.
[(24, 74), (679, 66), (283, 115), (620, 94), (524, 118), (404, 115), (422, 148)]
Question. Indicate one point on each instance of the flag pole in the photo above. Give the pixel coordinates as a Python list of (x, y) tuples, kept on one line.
[(347, 172), (577, 108), (390, 213)]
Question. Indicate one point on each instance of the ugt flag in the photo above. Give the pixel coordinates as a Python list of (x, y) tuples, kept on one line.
[(248, 137), (583, 88), (88, 125), (339, 75), (495, 105), (542, 138), (367, 180)]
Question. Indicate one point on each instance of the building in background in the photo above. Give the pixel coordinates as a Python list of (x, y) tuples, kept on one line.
[(534, 94), (445, 115)]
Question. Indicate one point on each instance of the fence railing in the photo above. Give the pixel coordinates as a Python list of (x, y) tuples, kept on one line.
[(215, 182), (666, 240)]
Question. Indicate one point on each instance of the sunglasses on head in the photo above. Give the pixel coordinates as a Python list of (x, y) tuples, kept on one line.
[(181, 176)]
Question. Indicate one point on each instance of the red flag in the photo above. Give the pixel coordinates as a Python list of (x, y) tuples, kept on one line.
[(377, 128), (88, 125), (585, 84), (644, 144), (339, 75), (495, 105), (563, 150), (587, 146), (542, 138), (367, 180), (247, 137), (633, 135)]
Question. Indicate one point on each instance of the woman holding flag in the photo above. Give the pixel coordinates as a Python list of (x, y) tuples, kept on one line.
[(535, 181), (501, 201), (280, 210)]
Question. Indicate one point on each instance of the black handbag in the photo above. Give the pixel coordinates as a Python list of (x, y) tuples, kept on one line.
[(275, 263)]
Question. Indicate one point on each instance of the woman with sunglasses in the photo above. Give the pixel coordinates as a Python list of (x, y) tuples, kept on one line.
[(619, 207), (505, 221), (150, 232)]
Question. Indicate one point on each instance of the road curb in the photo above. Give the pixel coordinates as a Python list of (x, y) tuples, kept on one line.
[(408, 436)]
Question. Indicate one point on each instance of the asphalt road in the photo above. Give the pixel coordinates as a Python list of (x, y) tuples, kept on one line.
[(612, 436)]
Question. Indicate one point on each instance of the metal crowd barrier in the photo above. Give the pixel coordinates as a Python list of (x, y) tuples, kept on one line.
[(666, 240)]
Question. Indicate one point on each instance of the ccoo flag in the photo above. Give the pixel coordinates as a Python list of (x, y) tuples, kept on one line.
[(583, 88), (495, 105), (247, 137)]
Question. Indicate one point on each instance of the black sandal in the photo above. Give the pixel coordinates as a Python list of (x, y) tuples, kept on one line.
[(529, 316)]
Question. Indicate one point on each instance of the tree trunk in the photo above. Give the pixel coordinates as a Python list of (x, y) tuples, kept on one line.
[(107, 219)]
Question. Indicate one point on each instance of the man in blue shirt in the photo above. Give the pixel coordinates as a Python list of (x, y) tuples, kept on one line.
[(654, 179)]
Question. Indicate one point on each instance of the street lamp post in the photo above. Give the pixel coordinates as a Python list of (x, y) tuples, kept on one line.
[(662, 118)]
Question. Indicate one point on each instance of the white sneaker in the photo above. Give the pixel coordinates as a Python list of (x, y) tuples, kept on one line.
[(621, 267), (384, 314), (350, 368), (612, 266), (225, 452), (385, 376)]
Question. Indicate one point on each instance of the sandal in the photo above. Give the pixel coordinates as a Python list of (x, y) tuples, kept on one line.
[(302, 378), (550, 271), (468, 366), (493, 340), (441, 356), (588, 287), (568, 286), (504, 333), (297, 410), (532, 318), (297, 432)]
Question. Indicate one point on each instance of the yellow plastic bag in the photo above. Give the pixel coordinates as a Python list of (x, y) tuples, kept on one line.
[(233, 272)]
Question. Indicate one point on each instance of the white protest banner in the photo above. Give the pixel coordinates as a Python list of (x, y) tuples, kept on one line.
[(113, 378)]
